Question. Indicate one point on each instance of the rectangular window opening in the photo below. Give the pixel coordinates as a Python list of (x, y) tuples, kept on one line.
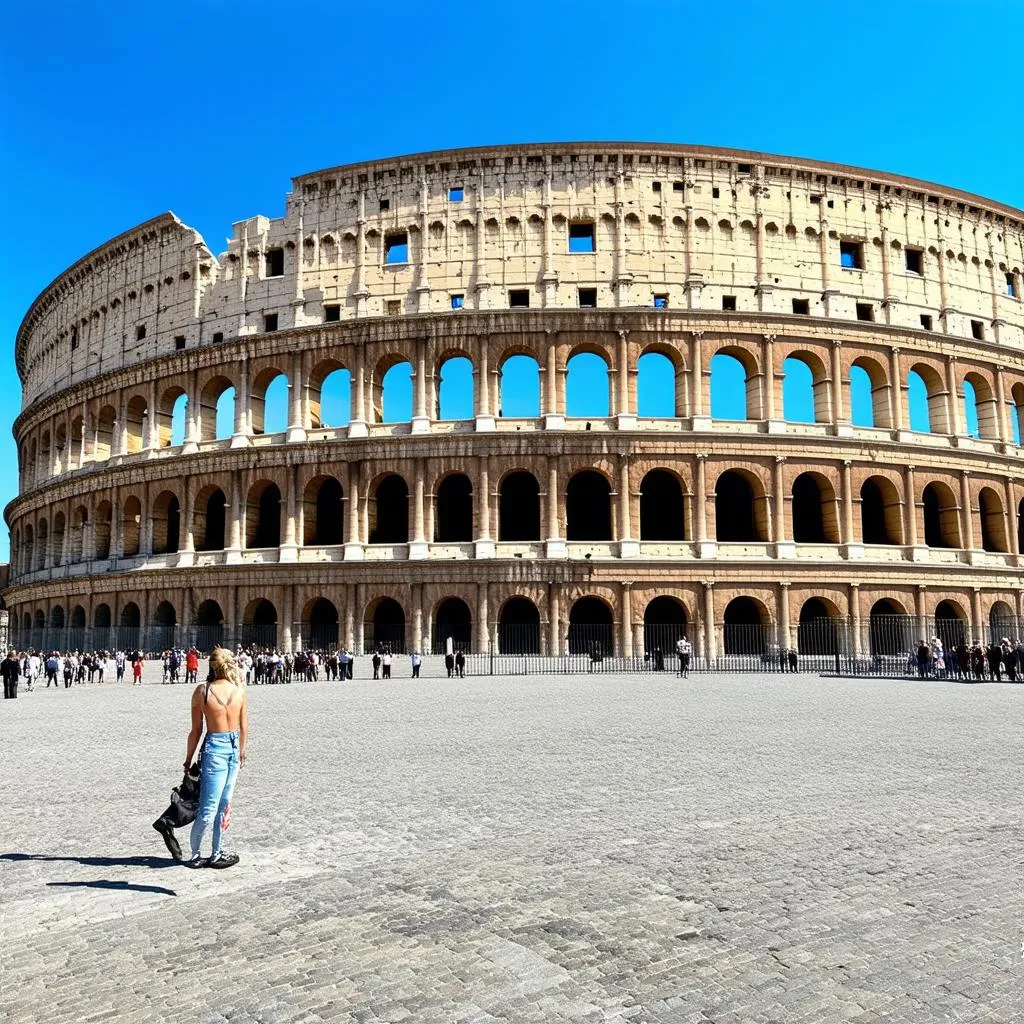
[(1011, 286), (915, 261), (677, 186), (393, 307), (140, 332), (977, 330), (661, 302), (269, 322), (851, 255), (729, 303), (455, 194), (588, 298), (179, 342), (519, 298), (396, 248), (802, 307), (655, 186), (926, 322), (581, 237), (715, 193), (865, 311), (74, 338), (275, 263), (385, 204), (457, 301), (218, 337), (332, 314)]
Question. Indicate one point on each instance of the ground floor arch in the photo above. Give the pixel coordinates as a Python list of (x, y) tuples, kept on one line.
[(384, 626), (591, 628), (665, 622), (319, 625), (453, 622), (746, 625), (519, 627)]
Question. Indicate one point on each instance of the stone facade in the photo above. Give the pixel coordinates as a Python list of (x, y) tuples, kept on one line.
[(617, 250)]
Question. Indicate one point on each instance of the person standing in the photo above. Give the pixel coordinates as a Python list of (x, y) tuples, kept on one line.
[(375, 661), (137, 669), (416, 662), (191, 667), (31, 670), (52, 668), (119, 663), (460, 664), (385, 664), (449, 664), (10, 669), (683, 651)]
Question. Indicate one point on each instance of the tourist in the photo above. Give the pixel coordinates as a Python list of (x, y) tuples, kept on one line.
[(924, 659), (137, 669), (30, 669), (416, 662), (794, 659), (375, 662), (683, 651), (52, 667), (119, 662), (220, 705), (995, 662), (385, 664), (460, 664), (10, 669), (1009, 659), (191, 666), (449, 664)]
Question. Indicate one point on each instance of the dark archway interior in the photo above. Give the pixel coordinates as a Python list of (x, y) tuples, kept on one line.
[(873, 524), (165, 614), (101, 616), (588, 507), (453, 620), (991, 523), (388, 627), (212, 536), (519, 627), (661, 507), (950, 627), (130, 615), (819, 631), (268, 518), (264, 614), (744, 630), (519, 508), (390, 512), (808, 520), (934, 535), (328, 511), (735, 521), (323, 625), (78, 617), (209, 614), (590, 628), (665, 622), (167, 534), (890, 629), (454, 521)]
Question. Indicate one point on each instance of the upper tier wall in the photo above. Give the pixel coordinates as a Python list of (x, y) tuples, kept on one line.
[(692, 225)]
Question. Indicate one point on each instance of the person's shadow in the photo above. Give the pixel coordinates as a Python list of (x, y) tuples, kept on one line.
[(102, 862)]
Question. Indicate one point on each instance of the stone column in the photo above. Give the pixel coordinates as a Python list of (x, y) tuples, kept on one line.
[(243, 425), (350, 623), (121, 436), (923, 625), (289, 550), (556, 547), (484, 546), (236, 526), (628, 546), (966, 512), (700, 421), (978, 625), (354, 545), (775, 426), (855, 620), (554, 621), (358, 612), (417, 618), (296, 396), (145, 522), (952, 398), (706, 547), (626, 601), (1003, 426), (784, 547), (895, 389), (484, 414), (420, 421), (626, 418), (854, 549), (358, 420), (187, 552), (553, 419), (288, 617), (152, 420), (840, 421), (192, 413), (361, 292), (785, 629), (418, 547), (483, 637), (1011, 518), (910, 514), (709, 621)]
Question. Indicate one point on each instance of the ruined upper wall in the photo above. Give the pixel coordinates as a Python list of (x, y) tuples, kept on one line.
[(700, 228)]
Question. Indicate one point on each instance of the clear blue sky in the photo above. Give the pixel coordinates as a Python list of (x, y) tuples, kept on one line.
[(114, 112)]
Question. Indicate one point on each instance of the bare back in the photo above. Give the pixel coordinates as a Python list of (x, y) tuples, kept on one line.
[(221, 705)]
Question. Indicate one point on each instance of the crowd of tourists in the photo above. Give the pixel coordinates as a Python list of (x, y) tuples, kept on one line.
[(996, 661)]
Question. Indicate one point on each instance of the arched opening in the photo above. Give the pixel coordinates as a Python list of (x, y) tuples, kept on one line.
[(172, 415), (103, 441), (519, 507), (590, 628), (927, 399), (263, 516), (586, 386), (391, 393), (127, 633), (1002, 622), (385, 626), (1020, 526), (588, 507), (880, 512), (454, 521), (941, 523), (741, 514), (660, 386), (166, 517), (452, 621), (29, 550), (801, 393), (101, 533), (329, 395), (76, 442), (323, 505), (268, 403), (665, 622), (746, 626), (455, 394), (820, 628), (734, 386), (890, 631), (59, 529), (136, 418), (209, 630), (131, 524), (1017, 416), (864, 400), (101, 617), (981, 416), (162, 631), (79, 524), (216, 409), (389, 512), (209, 517), (815, 519), (320, 625), (60, 448), (662, 515), (993, 531), (519, 388), (259, 624), (519, 627), (43, 547), (950, 624)]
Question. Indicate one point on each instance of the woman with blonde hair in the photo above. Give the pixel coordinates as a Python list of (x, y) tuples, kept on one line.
[(220, 704)]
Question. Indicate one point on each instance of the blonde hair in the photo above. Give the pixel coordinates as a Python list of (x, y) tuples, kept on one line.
[(224, 666)]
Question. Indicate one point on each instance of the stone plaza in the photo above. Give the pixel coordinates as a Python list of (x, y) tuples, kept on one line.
[(725, 849)]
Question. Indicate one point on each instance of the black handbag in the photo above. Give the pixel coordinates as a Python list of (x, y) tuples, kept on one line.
[(184, 803)]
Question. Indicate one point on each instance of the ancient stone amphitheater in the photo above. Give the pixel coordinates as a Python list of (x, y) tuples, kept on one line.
[(546, 519)]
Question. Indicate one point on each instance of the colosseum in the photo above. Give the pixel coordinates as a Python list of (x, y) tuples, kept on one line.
[(655, 389)]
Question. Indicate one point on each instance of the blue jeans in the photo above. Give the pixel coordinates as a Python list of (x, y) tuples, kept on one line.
[(220, 766)]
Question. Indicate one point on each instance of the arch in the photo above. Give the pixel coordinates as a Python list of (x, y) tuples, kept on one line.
[(587, 392), (941, 520), (102, 530), (59, 530), (981, 412), (881, 519), (820, 628), (391, 392), (735, 385), (588, 507), (79, 523), (209, 630), (268, 402), (1002, 622), (804, 389), (519, 387), (131, 526), (29, 550), (890, 630), (323, 512), (993, 524), (741, 512), (76, 442), (384, 625), (519, 627), (78, 617), (519, 507), (216, 409), (926, 398), (453, 621), (454, 520), (746, 625), (329, 395), (135, 421), (172, 417), (43, 544), (662, 515), (162, 630), (1017, 417), (950, 624), (388, 511), (660, 385), (320, 625), (455, 396), (263, 515), (591, 629), (209, 519), (60, 448), (103, 438), (815, 515), (165, 615), (665, 621), (259, 624), (166, 517), (209, 613), (130, 615), (101, 617), (57, 617)]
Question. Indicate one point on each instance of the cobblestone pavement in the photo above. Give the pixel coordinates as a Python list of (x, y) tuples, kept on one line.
[(724, 849)]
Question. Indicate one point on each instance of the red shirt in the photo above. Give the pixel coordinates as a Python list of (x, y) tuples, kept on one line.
[(137, 669), (192, 661)]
